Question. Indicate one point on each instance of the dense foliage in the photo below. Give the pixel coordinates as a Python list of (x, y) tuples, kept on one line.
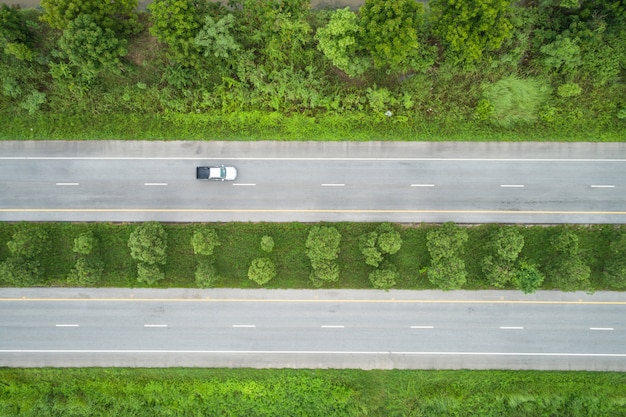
[(226, 392), (297, 255), (471, 70)]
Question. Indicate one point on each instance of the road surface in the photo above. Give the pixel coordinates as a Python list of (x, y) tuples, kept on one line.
[(365, 329), (304, 181)]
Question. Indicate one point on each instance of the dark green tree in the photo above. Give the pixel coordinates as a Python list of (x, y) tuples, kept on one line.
[(528, 278), (322, 248), (92, 48), (176, 23), (566, 270), (504, 248), (389, 30), (469, 28), (445, 245), (120, 16), (148, 243)]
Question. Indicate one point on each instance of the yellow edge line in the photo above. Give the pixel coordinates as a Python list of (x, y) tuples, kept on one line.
[(254, 300), (132, 210)]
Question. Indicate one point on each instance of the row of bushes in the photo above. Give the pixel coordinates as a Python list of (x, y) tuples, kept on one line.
[(288, 392), (296, 255)]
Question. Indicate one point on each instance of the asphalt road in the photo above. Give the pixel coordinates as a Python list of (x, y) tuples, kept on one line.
[(312, 329), (278, 181)]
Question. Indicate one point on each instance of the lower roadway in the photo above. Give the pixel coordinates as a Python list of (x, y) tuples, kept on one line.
[(364, 329)]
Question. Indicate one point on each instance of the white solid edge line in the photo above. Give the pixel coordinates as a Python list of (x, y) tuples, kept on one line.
[(601, 328), (511, 328), (66, 183), (332, 327), (155, 325), (512, 185), (322, 352), (422, 327), (66, 325), (195, 158), (602, 186), (333, 185), (154, 183), (244, 184), (244, 325), (422, 185)]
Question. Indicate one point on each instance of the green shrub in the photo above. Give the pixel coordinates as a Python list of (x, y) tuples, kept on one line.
[(148, 243), (262, 271), (206, 274), (204, 241), (267, 244), (86, 272), (149, 273), (384, 278)]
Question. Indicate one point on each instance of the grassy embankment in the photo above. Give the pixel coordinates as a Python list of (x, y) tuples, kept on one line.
[(225, 392)]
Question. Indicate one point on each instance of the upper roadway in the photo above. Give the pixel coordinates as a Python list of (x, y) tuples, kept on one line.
[(314, 181)]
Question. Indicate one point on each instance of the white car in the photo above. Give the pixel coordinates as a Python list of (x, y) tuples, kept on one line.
[(216, 173)]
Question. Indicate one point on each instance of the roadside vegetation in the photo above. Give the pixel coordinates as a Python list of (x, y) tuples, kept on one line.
[(277, 69), (328, 255), (227, 392)]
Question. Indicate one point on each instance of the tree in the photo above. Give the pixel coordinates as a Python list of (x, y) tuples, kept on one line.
[(446, 241), (204, 241), (13, 26), (176, 23), (468, 28), (389, 31), (372, 254), (385, 277), (84, 243), (566, 269), (262, 270), (215, 37), (28, 242), (148, 243), (340, 42), (528, 278), (615, 267), (120, 16), (87, 271), (20, 271), (90, 47), (448, 273), (505, 246), (322, 248), (206, 274), (445, 244), (149, 273)]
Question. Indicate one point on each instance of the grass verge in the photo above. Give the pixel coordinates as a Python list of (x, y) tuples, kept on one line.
[(248, 392)]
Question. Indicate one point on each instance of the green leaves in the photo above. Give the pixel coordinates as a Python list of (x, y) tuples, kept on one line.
[(120, 16), (148, 245), (340, 41), (469, 28), (91, 47), (445, 245), (322, 248)]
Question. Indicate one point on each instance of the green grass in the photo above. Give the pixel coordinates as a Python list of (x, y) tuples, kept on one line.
[(249, 126), (240, 244), (249, 392)]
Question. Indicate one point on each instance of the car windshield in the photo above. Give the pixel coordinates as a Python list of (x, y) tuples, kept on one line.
[(223, 172)]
